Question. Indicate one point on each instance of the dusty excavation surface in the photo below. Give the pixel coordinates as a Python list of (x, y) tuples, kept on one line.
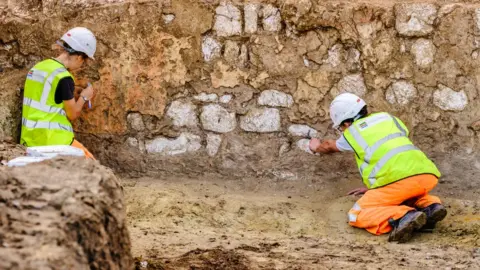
[(181, 223)]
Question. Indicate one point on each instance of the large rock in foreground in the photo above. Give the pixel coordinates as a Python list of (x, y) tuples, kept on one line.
[(62, 214)]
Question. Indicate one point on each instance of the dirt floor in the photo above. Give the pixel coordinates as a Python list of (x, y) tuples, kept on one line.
[(180, 223)]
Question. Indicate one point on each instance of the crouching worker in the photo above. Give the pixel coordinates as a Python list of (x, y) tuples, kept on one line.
[(49, 105), (398, 176)]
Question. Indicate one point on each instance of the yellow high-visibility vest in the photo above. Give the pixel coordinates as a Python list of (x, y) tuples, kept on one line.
[(383, 151), (43, 121)]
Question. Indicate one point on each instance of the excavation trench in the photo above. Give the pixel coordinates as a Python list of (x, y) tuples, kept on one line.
[(202, 111)]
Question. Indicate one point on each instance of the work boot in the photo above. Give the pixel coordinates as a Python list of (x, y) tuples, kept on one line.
[(435, 213), (403, 228)]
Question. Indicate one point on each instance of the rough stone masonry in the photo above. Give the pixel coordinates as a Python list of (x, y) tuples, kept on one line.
[(233, 87)]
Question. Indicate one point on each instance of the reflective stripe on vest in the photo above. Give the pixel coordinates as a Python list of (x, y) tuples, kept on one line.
[(37, 75), (42, 107), (44, 121), (369, 151), (373, 174), (47, 125), (384, 153), (47, 87)]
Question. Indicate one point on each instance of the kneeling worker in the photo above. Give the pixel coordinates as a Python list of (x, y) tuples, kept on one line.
[(398, 176), (49, 105)]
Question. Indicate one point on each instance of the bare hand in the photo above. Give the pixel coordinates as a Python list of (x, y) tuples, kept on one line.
[(88, 92), (358, 191), (314, 144)]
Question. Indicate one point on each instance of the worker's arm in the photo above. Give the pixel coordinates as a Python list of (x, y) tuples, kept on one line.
[(73, 107), (325, 147)]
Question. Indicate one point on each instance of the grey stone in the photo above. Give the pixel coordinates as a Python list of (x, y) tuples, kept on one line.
[(211, 48), (168, 18), (243, 57), (424, 52), (353, 60), (204, 97), (226, 99), (336, 55), (304, 145), (275, 98), (261, 120), (272, 20), (228, 20), (353, 84), (213, 144), (401, 92), (183, 114), (302, 131), (251, 18), (185, 143), (135, 121), (449, 100), (216, 118), (132, 142), (415, 19)]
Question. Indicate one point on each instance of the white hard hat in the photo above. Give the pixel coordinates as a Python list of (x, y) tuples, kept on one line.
[(345, 106), (81, 40)]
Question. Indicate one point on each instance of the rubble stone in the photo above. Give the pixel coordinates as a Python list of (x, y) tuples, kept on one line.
[(335, 55), (272, 20), (216, 118), (352, 84), (228, 20), (302, 131), (275, 98), (261, 120), (211, 48), (213, 144), (401, 92), (136, 121), (204, 97), (415, 19), (251, 18), (183, 114), (226, 99), (168, 18), (449, 100), (304, 145), (185, 143), (424, 52), (133, 142)]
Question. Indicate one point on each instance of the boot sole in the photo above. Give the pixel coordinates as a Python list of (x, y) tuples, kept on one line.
[(438, 215), (406, 233)]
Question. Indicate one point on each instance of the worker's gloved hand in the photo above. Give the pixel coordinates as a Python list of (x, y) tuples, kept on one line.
[(358, 191), (314, 144)]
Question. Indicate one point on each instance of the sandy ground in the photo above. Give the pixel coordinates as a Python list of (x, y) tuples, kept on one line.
[(262, 224)]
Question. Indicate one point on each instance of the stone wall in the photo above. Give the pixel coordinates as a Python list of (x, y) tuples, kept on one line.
[(235, 86)]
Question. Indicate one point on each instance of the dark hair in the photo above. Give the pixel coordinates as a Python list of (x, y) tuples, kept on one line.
[(363, 112), (72, 51)]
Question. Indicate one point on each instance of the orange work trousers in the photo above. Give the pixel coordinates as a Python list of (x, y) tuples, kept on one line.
[(78, 145), (377, 206)]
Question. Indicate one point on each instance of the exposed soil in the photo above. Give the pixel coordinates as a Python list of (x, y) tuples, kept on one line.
[(181, 223), (64, 213)]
